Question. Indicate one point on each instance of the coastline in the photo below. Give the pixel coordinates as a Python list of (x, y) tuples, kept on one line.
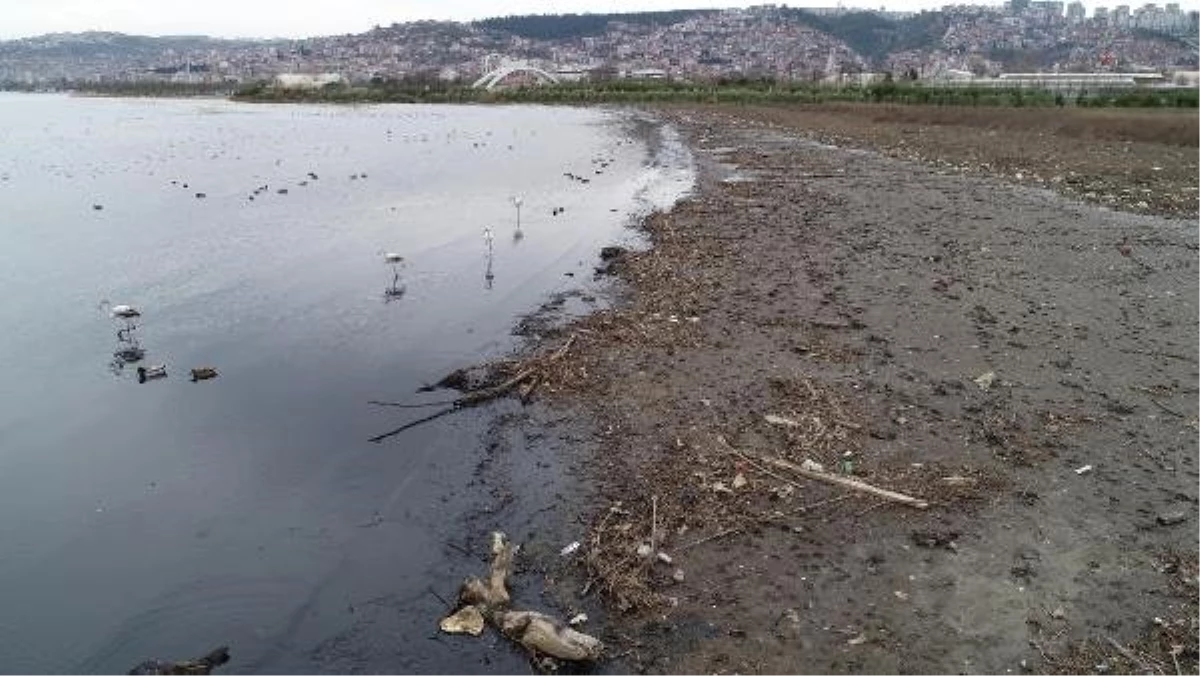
[(865, 297)]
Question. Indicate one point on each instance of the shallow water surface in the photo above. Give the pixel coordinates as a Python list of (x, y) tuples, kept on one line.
[(164, 518)]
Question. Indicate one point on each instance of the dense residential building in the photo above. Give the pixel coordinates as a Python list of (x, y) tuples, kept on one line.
[(767, 41)]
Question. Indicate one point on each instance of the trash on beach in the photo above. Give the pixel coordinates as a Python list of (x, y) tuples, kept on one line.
[(958, 480), (984, 381), (812, 466), (577, 620), (643, 550), (780, 420), (570, 549), (739, 481), (1084, 470)]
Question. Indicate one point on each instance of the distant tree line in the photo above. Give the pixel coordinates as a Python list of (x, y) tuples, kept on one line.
[(875, 36), (146, 88), (738, 91)]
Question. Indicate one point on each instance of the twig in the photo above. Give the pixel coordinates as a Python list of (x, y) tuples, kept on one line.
[(398, 430), (397, 404), (845, 482), (471, 398), (1125, 652), (653, 527), (714, 536), (768, 472), (1164, 408), (818, 503), (439, 597), (870, 507)]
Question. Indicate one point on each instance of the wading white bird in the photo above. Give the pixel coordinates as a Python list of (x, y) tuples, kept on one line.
[(517, 234), (121, 311), (487, 237), (395, 260)]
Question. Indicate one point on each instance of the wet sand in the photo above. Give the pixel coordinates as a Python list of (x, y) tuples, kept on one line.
[(1025, 362)]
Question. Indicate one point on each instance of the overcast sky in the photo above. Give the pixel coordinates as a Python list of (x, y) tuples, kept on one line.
[(300, 18)]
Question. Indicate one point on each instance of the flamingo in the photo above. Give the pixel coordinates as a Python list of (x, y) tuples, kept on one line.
[(395, 260), (120, 311), (517, 234)]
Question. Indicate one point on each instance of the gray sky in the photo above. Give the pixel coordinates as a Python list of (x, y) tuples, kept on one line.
[(300, 18)]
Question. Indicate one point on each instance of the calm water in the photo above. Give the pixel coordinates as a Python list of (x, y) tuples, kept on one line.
[(162, 519)]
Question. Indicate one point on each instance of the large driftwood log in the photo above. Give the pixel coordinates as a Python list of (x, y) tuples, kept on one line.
[(540, 634)]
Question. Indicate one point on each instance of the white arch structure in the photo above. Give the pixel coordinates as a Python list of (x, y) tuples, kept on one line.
[(504, 68)]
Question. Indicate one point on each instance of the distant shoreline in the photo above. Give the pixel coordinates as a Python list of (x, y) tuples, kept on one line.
[(634, 92)]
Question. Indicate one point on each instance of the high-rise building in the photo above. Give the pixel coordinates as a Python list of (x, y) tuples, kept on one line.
[(1076, 12)]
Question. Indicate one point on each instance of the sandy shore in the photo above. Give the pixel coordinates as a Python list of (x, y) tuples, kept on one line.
[(1024, 362)]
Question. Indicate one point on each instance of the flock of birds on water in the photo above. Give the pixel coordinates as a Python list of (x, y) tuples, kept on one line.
[(129, 349)]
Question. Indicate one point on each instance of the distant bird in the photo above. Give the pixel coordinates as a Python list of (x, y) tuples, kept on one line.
[(395, 260), (517, 202), (203, 373), (151, 372), (1124, 247), (487, 237), (120, 311)]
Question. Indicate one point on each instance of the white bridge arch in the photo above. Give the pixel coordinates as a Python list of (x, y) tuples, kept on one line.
[(496, 68)]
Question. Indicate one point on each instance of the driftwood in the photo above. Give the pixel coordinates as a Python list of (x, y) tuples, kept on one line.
[(845, 482), (478, 396), (481, 601), (202, 665)]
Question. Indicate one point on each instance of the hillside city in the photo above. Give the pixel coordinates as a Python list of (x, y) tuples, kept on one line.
[(767, 41)]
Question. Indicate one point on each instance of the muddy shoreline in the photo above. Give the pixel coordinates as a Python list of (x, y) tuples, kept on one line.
[(1024, 361)]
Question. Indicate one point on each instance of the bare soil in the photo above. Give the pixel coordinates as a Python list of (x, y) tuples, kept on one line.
[(1024, 361)]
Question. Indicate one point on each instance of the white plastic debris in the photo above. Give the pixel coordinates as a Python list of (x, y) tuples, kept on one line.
[(570, 549), (665, 558), (578, 620), (1084, 470), (812, 466), (985, 380), (643, 550)]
